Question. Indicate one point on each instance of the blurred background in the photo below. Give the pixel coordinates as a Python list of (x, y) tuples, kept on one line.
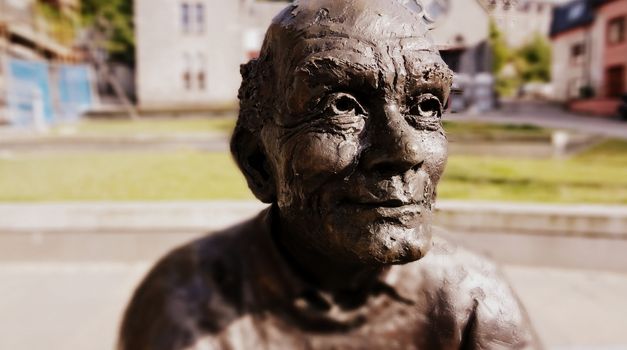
[(114, 124)]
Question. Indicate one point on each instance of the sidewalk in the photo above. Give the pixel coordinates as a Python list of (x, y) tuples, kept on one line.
[(78, 306), (15, 141), (548, 116), (67, 270)]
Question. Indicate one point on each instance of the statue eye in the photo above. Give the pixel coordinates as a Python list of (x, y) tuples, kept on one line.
[(342, 103), (427, 106)]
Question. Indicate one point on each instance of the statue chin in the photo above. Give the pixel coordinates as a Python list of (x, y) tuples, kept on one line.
[(391, 244), (379, 243)]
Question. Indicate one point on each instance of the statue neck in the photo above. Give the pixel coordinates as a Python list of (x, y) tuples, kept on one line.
[(320, 269)]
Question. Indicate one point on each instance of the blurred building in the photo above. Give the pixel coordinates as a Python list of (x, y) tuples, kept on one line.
[(34, 29), (36, 51), (461, 31), (189, 51), (589, 40), (520, 20)]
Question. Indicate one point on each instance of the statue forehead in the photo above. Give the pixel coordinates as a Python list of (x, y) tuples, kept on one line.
[(368, 20), (348, 30)]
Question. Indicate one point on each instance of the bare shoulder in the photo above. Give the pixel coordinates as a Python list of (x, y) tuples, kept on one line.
[(474, 292), (182, 297)]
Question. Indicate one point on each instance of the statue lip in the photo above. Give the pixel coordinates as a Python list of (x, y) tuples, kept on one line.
[(387, 205)]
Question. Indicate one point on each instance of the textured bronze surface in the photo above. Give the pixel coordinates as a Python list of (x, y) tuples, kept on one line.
[(340, 131)]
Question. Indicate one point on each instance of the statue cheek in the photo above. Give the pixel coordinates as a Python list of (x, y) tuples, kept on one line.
[(317, 156)]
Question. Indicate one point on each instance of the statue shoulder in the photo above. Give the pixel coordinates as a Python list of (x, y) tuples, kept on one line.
[(488, 312), (193, 290)]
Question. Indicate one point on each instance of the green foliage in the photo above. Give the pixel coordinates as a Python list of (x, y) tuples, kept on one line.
[(114, 18), (121, 176), (500, 51), (501, 57), (507, 86), (533, 60), (59, 25)]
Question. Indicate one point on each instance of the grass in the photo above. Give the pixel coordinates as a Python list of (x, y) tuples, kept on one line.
[(596, 176), (121, 176), (471, 131), (151, 126), (455, 130)]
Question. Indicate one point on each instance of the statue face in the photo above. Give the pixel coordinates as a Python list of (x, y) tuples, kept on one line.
[(356, 146)]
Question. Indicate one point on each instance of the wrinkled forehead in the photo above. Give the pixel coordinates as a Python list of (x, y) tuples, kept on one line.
[(372, 53), (339, 57), (367, 19), (359, 31)]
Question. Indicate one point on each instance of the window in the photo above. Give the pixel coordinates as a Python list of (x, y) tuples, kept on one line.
[(452, 59), (200, 17), (185, 17), (187, 72), (200, 76), (577, 53), (616, 31), (540, 7), (193, 17)]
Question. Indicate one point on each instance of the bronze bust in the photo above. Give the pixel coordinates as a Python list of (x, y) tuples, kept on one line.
[(340, 131)]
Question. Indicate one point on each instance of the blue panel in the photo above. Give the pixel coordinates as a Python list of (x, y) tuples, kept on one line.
[(29, 80), (75, 95)]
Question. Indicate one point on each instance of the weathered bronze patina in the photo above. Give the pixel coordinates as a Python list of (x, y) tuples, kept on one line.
[(340, 130)]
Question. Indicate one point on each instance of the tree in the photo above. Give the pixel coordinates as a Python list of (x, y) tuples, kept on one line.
[(534, 60), (500, 51), (112, 19), (506, 84)]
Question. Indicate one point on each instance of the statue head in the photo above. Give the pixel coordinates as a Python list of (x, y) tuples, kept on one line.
[(340, 128)]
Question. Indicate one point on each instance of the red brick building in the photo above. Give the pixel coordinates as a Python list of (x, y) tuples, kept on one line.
[(590, 54), (612, 16)]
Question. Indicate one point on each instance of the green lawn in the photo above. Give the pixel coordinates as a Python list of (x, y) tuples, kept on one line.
[(455, 130), (151, 126), (596, 176), (121, 176), (470, 131)]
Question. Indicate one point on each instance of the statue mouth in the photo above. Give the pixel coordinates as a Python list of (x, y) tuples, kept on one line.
[(385, 208), (389, 203)]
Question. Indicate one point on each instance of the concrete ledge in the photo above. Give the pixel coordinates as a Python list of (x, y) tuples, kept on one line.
[(124, 216), (602, 221), (592, 221)]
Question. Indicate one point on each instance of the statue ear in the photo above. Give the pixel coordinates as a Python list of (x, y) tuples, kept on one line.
[(251, 158)]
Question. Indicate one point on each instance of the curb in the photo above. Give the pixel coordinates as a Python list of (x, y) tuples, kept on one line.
[(593, 221)]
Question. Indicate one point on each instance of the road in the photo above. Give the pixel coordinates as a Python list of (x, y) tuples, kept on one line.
[(548, 116)]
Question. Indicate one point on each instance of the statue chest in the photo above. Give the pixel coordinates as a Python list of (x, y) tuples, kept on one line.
[(389, 325)]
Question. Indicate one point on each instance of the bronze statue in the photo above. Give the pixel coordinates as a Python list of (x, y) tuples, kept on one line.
[(340, 131)]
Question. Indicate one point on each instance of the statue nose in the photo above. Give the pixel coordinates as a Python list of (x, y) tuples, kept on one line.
[(395, 145)]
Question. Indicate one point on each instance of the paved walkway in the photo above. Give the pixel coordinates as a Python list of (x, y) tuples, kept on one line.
[(548, 116), (77, 306)]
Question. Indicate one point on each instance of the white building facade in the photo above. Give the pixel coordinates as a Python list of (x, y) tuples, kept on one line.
[(189, 51), (521, 20)]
